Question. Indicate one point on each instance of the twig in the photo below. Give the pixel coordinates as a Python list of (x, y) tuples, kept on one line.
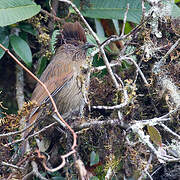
[(126, 99), (99, 68), (20, 93), (145, 140), (171, 49), (97, 124), (137, 127), (109, 174), (117, 38), (63, 157), (52, 101), (34, 172), (32, 135), (17, 132), (137, 67), (146, 169), (12, 166), (106, 62), (169, 130), (143, 10), (52, 16), (124, 20)]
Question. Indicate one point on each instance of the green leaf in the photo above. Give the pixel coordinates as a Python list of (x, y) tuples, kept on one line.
[(128, 28), (91, 39), (58, 178), (94, 178), (4, 40), (99, 28), (177, 1), (22, 49), (12, 11), (155, 135), (94, 158), (170, 9), (116, 25), (42, 65), (175, 12), (53, 40), (28, 28), (114, 9)]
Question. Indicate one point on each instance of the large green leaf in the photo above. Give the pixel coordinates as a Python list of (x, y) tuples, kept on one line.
[(4, 40), (94, 158), (22, 49), (42, 65), (28, 28), (12, 11), (175, 10), (113, 9)]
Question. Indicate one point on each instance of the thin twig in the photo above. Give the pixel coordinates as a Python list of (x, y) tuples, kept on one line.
[(171, 49), (124, 20), (169, 130), (20, 93), (114, 38), (52, 101), (17, 132), (146, 169), (34, 172), (137, 67), (126, 99), (12, 166), (97, 124), (32, 135), (143, 10), (106, 62), (52, 16)]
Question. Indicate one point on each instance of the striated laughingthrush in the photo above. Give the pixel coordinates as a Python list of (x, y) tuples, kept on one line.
[(64, 76)]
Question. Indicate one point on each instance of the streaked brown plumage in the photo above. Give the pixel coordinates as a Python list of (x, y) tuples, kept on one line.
[(64, 73)]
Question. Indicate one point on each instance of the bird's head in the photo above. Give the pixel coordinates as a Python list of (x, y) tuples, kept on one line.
[(73, 34)]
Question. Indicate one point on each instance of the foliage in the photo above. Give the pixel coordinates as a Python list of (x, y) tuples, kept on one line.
[(27, 34), (12, 11), (106, 9), (94, 158), (22, 49)]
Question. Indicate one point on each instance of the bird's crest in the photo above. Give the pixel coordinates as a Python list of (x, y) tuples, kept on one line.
[(72, 33)]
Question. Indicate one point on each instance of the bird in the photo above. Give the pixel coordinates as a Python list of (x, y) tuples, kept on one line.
[(64, 77)]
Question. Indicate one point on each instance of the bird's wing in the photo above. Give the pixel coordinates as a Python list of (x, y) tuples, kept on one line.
[(55, 76)]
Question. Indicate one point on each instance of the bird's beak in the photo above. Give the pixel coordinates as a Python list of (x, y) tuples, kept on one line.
[(88, 45)]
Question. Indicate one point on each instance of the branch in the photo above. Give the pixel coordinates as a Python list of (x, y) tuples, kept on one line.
[(124, 20), (34, 172), (126, 99), (20, 93), (12, 166), (52, 101), (106, 62), (137, 67), (52, 16)]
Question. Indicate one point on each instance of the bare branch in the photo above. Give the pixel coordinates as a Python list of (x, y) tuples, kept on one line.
[(124, 20), (34, 172), (12, 166), (138, 68), (53, 103), (97, 40), (126, 99), (20, 93)]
